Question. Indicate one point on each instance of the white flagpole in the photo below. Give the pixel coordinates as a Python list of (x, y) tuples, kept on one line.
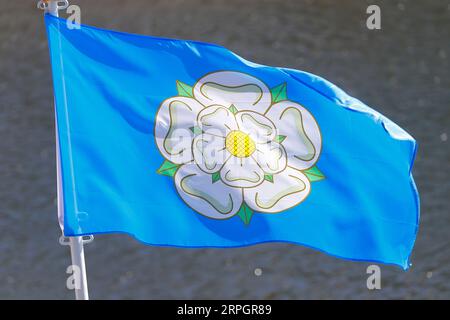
[(76, 243), (77, 254)]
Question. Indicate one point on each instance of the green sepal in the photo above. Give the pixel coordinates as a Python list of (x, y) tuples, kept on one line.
[(279, 93), (215, 177), (314, 174), (245, 213), (233, 109), (280, 138), (196, 130), (184, 90), (168, 168)]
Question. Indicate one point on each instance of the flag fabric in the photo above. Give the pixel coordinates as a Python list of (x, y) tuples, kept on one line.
[(184, 143)]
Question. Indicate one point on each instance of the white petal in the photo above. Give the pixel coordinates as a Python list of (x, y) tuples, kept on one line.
[(173, 135), (214, 200), (287, 190), (303, 140), (216, 120), (209, 152), (233, 88), (259, 127), (241, 172), (271, 157)]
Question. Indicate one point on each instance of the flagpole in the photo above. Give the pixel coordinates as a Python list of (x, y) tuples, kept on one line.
[(75, 243)]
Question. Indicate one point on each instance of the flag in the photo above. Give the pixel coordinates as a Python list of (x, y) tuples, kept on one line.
[(184, 143)]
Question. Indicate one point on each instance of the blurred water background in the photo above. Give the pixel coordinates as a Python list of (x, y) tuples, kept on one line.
[(401, 70)]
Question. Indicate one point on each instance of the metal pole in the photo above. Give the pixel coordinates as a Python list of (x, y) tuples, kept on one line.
[(77, 254), (76, 243), (53, 7)]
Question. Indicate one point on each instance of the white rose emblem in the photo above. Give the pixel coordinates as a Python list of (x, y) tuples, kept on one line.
[(235, 147)]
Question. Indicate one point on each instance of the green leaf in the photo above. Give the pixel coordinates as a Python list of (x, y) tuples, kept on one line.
[(184, 89), (314, 174), (245, 213), (279, 93), (280, 138), (268, 177), (196, 130), (233, 109), (168, 168), (215, 176)]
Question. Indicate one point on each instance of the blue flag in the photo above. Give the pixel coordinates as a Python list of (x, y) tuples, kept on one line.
[(183, 143)]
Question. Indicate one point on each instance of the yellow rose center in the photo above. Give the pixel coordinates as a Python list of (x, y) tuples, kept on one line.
[(240, 144)]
